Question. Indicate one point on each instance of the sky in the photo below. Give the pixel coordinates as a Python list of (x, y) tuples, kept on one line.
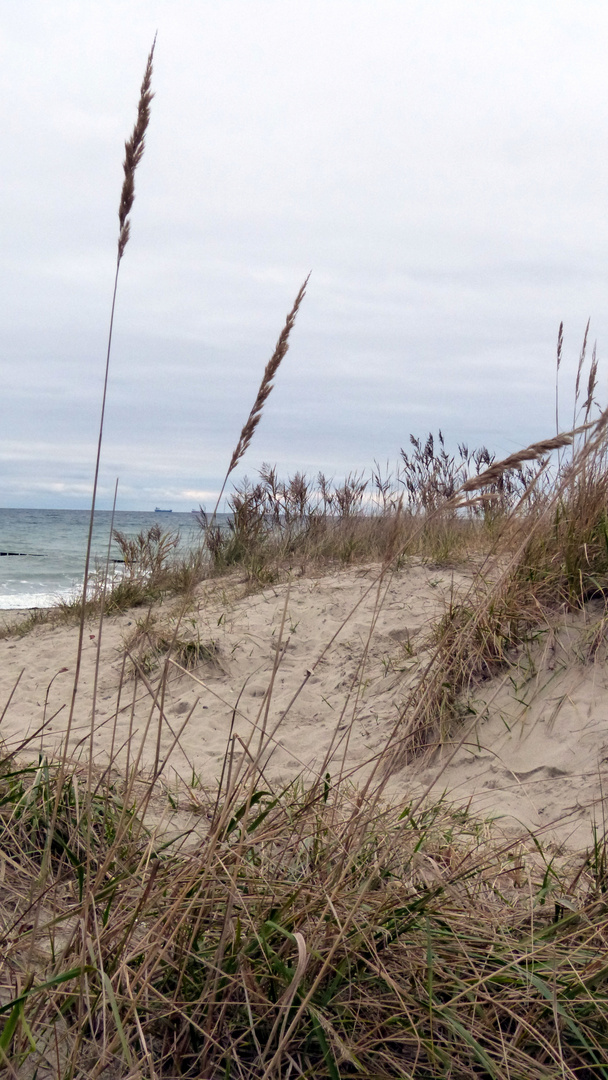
[(440, 167)]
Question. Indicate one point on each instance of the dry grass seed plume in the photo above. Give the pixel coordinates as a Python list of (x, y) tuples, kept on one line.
[(133, 153), (266, 386), (134, 149), (532, 453)]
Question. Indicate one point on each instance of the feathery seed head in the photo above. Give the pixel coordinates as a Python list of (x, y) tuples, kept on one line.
[(531, 453), (560, 344), (267, 384), (134, 150)]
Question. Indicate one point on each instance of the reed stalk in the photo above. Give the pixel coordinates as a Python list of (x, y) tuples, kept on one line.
[(134, 149)]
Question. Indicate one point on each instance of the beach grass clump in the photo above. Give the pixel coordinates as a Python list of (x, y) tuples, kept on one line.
[(152, 568), (549, 558), (147, 554), (124, 585), (154, 639), (306, 932), (20, 624), (431, 476), (276, 523), (566, 562)]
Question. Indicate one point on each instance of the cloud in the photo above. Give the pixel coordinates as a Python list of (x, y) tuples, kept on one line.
[(439, 169)]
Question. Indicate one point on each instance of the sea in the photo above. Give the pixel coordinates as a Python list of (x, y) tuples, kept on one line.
[(42, 552)]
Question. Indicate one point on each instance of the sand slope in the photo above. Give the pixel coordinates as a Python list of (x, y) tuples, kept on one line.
[(344, 652), (538, 754)]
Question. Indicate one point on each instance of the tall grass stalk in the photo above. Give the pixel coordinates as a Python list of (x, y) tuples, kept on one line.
[(134, 149)]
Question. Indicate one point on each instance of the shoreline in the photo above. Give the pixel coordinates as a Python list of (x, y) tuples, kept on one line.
[(10, 616)]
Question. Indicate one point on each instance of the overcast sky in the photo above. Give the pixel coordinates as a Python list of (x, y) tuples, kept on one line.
[(440, 166)]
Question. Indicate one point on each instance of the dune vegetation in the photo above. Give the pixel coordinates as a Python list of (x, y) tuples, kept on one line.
[(320, 928)]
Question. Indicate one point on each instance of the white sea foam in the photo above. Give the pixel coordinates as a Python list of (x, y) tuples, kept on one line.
[(27, 600)]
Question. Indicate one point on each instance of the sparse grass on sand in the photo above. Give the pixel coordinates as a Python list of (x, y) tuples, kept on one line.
[(316, 930)]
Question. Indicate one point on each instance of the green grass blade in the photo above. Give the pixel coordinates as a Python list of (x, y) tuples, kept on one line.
[(114, 1007), (328, 1057)]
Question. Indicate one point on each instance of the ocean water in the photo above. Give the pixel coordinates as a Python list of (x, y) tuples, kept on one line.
[(49, 549)]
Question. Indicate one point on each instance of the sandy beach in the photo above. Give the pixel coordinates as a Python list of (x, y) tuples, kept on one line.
[(341, 651)]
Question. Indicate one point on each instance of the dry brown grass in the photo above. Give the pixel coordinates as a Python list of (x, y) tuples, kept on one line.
[(549, 559), (314, 931), (309, 932)]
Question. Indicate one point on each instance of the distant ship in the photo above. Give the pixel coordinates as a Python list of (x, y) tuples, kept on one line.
[(159, 510)]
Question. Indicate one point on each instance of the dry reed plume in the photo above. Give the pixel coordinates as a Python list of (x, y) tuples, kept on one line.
[(267, 383), (537, 450), (263, 393), (134, 149)]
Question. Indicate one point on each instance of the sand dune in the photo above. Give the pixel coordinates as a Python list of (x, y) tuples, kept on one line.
[(344, 649)]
